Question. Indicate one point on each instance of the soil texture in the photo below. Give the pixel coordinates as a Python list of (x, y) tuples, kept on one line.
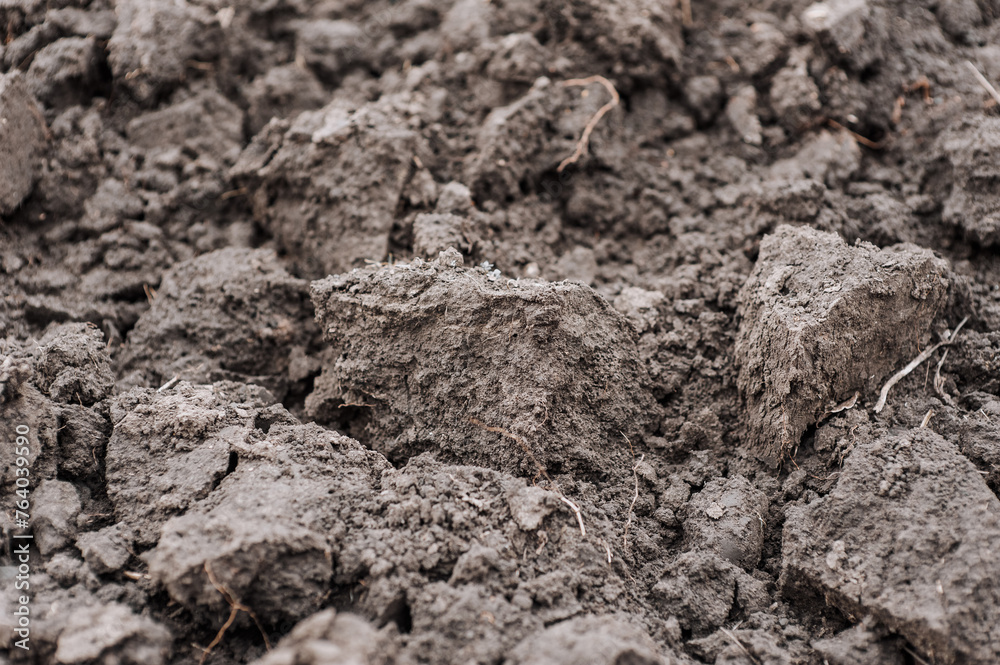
[(512, 332)]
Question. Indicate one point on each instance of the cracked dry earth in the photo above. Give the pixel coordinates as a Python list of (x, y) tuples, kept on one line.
[(328, 339)]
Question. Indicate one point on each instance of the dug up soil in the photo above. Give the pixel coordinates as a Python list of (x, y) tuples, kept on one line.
[(615, 332)]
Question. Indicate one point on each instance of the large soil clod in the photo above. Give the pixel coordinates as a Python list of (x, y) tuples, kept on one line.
[(506, 374), (823, 321), (184, 453), (328, 185), (53, 396), (156, 41), (331, 637), (595, 640), (230, 314), (909, 537), (241, 496)]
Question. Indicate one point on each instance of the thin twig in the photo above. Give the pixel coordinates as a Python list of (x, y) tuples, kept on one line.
[(607, 548), (581, 145), (686, 20), (739, 643), (635, 497), (917, 658), (218, 636), (923, 85), (576, 511), (984, 82), (924, 355), (843, 406), (927, 418), (233, 193), (169, 384)]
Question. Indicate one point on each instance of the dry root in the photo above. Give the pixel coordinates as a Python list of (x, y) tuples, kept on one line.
[(581, 145), (984, 82), (867, 142), (235, 608), (924, 355), (635, 497), (538, 465)]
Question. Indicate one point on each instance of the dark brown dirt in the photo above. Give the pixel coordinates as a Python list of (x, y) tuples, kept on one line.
[(325, 356)]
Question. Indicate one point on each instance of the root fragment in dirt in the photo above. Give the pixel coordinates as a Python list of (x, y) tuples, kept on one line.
[(538, 465), (918, 659), (581, 145), (233, 193), (983, 81), (867, 142), (924, 85), (635, 497), (739, 643), (897, 110), (169, 384), (576, 511), (843, 406), (939, 382), (924, 355), (235, 608)]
